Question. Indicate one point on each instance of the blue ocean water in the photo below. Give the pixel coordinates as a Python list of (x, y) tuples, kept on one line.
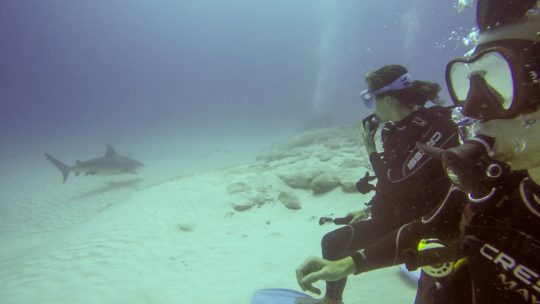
[(183, 86), (106, 70)]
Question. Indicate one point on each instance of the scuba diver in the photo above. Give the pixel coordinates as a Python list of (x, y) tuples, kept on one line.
[(491, 215), (409, 182)]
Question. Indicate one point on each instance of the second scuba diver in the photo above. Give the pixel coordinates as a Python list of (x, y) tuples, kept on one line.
[(409, 183)]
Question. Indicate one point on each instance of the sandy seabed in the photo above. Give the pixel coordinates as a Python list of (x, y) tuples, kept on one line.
[(208, 225)]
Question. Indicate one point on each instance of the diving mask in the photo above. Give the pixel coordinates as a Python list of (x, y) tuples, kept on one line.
[(495, 83), (402, 82)]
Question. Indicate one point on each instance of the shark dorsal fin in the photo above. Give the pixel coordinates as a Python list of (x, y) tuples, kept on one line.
[(110, 151)]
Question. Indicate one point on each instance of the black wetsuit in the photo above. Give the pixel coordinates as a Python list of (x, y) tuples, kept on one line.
[(499, 236), (409, 184)]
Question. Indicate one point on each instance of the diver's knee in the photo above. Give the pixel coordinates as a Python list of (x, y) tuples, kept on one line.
[(334, 243)]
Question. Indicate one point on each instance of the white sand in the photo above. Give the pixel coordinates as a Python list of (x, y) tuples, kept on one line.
[(170, 235)]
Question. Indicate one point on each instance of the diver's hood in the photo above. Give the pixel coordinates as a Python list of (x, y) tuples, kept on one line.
[(491, 14), (508, 19)]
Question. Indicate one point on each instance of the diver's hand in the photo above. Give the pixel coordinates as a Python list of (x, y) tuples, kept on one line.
[(359, 215), (315, 269), (368, 136), (363, 186)]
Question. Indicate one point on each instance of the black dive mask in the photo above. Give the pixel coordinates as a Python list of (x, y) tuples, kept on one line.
[(498, 82)]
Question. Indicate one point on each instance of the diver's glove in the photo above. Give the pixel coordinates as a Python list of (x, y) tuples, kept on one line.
[(470, 166), (363, 186)]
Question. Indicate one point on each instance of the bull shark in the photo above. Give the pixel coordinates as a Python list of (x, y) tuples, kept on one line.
[(111, 163)]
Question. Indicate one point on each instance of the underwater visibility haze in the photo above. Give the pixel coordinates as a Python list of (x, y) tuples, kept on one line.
[(198, 91), (112, 69)]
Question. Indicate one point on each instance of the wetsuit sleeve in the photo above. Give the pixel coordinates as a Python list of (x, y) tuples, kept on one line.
[(379, 168), (442, 223), (378, 165)]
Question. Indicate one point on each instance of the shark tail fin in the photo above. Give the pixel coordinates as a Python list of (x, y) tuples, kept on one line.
[(60, 165)]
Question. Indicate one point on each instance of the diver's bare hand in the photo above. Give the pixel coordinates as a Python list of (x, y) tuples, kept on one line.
[(315, 269), (358, 215)]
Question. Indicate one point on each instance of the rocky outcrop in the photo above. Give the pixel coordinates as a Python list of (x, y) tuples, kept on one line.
[(289, 200)]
